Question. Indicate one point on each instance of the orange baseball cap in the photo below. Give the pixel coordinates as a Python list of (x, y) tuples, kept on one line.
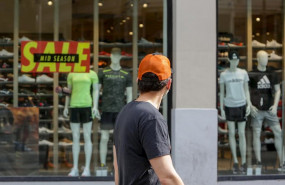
[(157, 64)]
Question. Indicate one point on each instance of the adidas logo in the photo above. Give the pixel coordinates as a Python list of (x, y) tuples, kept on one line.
[(264, 83)]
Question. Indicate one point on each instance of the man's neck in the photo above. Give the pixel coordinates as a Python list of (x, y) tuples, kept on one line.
[(153, 97)]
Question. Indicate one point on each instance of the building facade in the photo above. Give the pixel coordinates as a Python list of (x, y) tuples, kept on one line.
[(193, 34)]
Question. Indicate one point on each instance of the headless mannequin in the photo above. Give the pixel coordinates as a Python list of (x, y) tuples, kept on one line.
[(231, 124), (105, 134), (87, 128), (262, 59)]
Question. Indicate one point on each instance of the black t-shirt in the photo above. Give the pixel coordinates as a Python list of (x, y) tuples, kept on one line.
[(140, 134), (262, 88), (114, 87)]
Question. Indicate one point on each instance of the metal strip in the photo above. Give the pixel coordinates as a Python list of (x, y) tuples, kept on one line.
[(283, 116), (16, 53), (164, 101), (54, 179), (249, 68), (283, 83), (250, 178), (96, 36), (55, 95), (135, 48), (95, 65), (249, 35)]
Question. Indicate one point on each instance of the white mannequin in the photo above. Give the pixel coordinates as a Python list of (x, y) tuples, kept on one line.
[(262, 58), (105, 134), (87, 129), (231, 124)]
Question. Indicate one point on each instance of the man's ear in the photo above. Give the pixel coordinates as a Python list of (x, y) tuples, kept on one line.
[(168, 85), (137, 80)]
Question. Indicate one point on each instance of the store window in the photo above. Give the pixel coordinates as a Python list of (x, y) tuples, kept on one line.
[(250, 81), (38, 137)]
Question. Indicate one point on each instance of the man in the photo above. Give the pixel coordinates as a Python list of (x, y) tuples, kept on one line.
[(141, 140)]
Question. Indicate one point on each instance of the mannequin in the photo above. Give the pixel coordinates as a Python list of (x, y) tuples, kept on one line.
[(81, 113), (264, 105), (115, 83), (237, 106)]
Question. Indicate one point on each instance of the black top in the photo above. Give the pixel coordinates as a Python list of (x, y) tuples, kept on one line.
[(262, 88), (114, 87), (140, 134)]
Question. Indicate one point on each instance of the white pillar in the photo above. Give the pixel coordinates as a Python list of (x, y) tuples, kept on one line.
[(194, 115)]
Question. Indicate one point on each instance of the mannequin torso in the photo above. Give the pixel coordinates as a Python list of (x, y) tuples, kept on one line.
[(236, 82), (116, 82), (262, 83)]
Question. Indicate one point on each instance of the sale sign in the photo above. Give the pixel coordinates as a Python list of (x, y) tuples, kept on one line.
[(55, 56)]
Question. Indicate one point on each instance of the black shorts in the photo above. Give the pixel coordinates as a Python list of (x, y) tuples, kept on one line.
[(80, 115), (108, 120), (236, 113)]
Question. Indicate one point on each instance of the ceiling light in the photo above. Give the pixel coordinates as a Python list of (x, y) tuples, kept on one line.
[(257, 19), (130, 33), (50, 2), (257, 34), (121, 23), (141, 25), (128, 18), (253, 36), (145, 5), (111, 27), (124, 20), (100, 4), (108, 31), (267, 33), (132, 4)]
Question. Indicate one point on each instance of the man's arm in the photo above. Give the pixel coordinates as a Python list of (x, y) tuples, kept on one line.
[(115, 166), (165, 171)]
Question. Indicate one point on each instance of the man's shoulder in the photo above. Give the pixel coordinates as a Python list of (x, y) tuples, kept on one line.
[(141, 107)]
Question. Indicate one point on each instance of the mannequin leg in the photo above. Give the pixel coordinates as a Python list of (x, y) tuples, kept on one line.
[(232, 140), (104, 146), (257, 143), (75, 128), (87, 129), (278, 141), (242, 142)]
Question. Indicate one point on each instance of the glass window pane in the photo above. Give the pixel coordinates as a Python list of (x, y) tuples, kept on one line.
[(250, 36), (32, 143)]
